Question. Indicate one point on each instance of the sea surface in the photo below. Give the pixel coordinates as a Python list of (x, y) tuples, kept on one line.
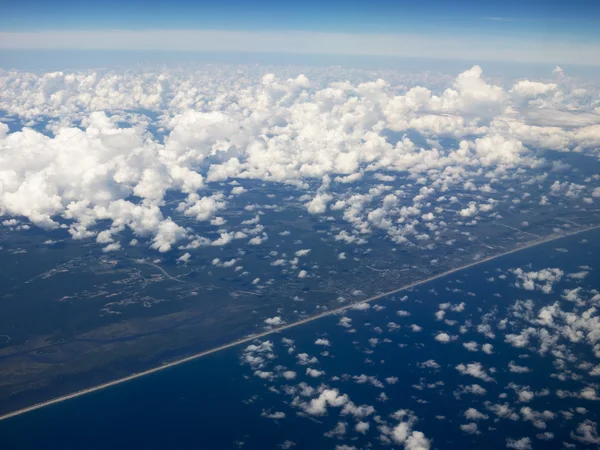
[(223, 401)]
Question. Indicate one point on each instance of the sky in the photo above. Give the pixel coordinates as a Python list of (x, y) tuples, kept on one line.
[(548, 31)]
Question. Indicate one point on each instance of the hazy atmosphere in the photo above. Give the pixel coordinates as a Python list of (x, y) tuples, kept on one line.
[(339, 225)]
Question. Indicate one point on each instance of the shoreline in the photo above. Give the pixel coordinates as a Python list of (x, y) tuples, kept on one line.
[(251, 338)]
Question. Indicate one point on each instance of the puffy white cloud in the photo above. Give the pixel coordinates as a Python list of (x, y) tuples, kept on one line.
[(304, 359), (470, 428), (226, 123), (473, 414), (201, 208), (318, 205), (289, 375), (475, 370), (359, 412), (542, 280), (538, 419), (469, 211), (361, 306), (403, 432), (314, 373), (532, 89), (429, 364), (502, 410), (442, 337), (473, 389), (329, 397), (339, 431), (115, 246), (487, 348), (274, 321), (278, 415), (184, 258), (362, 427), (586, 433), (513, 367), (519, 444), (168, 233), (471, 346)]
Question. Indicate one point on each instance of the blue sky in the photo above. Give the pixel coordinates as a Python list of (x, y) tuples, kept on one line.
[(539, 26), (552, 16)]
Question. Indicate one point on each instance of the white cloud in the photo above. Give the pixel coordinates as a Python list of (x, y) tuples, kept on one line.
[(487, 348), (329, 397), (318, 205), (314, 373), (274, 321), (102, 177), (473, 414), (471, 346), (362, 427), (513, 367), (429, 364), (469, 428), (238, 190), (444, 338), (475, 370), (112, 247), (586, 433), (339, 431), (404, 434), (278, 415), (184, 258), (542, 280), (519, 444)]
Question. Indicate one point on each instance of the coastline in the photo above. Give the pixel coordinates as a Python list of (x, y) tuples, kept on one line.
[(250, 338)]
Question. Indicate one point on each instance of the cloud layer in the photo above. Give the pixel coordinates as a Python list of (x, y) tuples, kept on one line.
[(116, 145)]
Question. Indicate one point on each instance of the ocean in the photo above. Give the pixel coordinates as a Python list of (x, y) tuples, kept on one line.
[(232, 400)]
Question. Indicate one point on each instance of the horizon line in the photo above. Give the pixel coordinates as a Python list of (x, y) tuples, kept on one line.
[(471, 46)]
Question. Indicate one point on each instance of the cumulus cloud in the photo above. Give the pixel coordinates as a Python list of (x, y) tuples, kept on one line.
[(314, 373), (542, 280), (475, 370), (470, 428), (278, 415), (403, 432), (473, 414), (586, 433), (318, 406), (323, 342), (274, 321), (519, 444), (442, 337), (94, 174)]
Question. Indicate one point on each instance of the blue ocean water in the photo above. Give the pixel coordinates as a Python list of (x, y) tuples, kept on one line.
[(218, 402)]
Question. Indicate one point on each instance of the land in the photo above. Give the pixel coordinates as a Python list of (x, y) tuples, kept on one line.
[(262, 334)]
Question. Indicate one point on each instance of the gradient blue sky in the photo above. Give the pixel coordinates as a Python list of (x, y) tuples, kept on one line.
[(547, 29), (578, 17)]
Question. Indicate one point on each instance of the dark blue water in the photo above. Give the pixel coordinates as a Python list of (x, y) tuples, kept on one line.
[(216, 402)]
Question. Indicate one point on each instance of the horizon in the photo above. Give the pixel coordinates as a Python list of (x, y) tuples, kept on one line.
[(551, 32)]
